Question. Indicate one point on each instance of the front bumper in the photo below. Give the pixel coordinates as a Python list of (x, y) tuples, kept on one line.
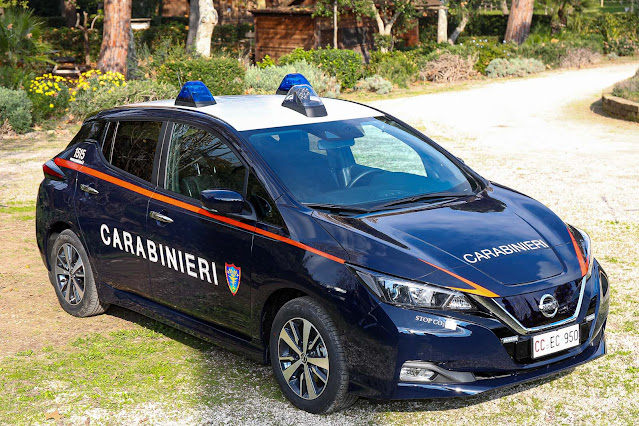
[(391, 336)]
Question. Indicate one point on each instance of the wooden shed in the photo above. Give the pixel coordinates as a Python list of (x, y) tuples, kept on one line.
[(280, 30)]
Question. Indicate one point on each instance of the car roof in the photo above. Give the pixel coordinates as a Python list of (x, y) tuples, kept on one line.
[(250, 112)]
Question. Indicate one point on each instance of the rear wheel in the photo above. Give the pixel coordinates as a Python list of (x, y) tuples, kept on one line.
[(72, 277), (308, 358)]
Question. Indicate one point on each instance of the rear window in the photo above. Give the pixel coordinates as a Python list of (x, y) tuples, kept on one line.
[(131, 146), (91, 130)]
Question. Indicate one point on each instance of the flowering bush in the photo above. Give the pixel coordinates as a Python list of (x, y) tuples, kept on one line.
[(93, 80), (622, 46), (50, 96)]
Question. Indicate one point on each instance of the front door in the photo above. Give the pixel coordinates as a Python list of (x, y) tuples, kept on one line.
[(203, 263), (111, 200)]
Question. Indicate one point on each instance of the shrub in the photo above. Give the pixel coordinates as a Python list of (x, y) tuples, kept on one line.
[(267, 80), (485, 48), (155, 37), (49, 95), (15, 107), (109, 95), (399, 67), (623, 46), (628, 89), (579, 57), (375, 84), (518, 67), (222, 75), (20, 43), (266, 62), (346, 65), (15, 78), (449, 68), (70, 42)]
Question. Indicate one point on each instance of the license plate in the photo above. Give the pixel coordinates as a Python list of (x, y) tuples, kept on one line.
[(555, 341)]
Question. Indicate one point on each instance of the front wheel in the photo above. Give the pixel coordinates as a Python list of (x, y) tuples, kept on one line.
[(308, 358), (72, 277)]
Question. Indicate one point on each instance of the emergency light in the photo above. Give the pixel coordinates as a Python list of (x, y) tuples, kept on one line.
[(194, 94), (303, 99), (289, 81)]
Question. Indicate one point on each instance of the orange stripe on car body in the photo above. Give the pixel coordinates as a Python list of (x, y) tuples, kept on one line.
[(583, 263), (478, 290), (190, 207)]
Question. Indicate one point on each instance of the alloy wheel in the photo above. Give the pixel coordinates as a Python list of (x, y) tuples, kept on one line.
[(69, 272), (303, 358)]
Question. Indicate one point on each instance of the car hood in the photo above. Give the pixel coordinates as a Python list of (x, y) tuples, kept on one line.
[(500, 238)]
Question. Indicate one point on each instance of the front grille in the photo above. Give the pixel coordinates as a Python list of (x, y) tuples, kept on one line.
[(525, 307)]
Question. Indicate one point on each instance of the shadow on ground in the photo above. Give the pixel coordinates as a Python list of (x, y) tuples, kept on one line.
[(373, 406)]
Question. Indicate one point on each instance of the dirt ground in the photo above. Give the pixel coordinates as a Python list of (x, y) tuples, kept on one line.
[(543, 136), (30, 316)]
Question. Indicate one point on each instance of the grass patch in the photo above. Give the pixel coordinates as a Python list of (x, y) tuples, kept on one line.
[(19, 211), (122, 370)]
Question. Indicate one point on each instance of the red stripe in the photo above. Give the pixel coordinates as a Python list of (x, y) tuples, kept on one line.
[(190, 207), (583, 263), (479, 290)]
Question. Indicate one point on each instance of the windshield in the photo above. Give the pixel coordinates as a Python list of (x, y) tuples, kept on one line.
[(360, 162)]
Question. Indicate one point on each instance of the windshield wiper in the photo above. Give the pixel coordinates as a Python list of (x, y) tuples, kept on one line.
[(336, 208), (423, 197)]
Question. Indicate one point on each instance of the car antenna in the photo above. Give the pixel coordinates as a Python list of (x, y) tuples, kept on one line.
[(179, 79)]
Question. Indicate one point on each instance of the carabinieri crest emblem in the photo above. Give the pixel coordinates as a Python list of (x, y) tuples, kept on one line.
[(233, 275)]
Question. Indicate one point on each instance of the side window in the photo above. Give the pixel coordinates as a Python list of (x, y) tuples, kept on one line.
[(199, 160), (263, 203), (131, 146)]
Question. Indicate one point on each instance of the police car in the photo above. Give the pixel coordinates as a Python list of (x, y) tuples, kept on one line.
[(327, 238)]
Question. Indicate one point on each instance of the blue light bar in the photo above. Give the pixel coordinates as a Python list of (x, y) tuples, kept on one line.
[(194, 94), (289, 81), (303, 99)]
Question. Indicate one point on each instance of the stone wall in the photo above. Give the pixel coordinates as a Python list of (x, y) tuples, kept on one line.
[(619, 107)]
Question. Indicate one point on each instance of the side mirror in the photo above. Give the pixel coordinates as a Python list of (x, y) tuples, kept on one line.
[(222, 201)]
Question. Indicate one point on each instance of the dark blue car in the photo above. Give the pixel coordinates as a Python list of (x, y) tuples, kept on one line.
[(326, 237)]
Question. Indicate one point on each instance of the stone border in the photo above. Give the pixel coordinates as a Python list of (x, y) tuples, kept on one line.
[(620, 107)]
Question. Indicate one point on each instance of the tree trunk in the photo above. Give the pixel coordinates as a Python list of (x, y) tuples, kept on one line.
[(335, 46), (194, 18), (442, 25), (68, 11), (460, 28), (206, 25), (115, 40), (503, 5), (519, 20)]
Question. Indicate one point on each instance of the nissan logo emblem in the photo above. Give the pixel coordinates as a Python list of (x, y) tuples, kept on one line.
[(548, 305)]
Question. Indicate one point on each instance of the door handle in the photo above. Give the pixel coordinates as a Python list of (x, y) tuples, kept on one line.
[(89, 190), (160, 217)]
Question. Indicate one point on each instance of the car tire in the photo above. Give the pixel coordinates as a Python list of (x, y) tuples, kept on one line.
[(323, 362), (76, 291)]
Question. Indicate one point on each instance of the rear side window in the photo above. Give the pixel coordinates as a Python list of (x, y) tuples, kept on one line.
[(131, 146), (91, 130)]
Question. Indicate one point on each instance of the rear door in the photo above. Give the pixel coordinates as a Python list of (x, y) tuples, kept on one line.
[(203, 268), (112, 196)]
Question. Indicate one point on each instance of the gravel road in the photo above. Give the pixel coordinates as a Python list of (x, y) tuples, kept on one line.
[(541, 129)]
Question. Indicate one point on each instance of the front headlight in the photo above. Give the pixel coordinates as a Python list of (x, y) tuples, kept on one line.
[(582, 239), (408, 293)]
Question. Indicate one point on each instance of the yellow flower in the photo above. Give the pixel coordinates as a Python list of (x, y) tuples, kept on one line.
[(50, 105), (94, 89)]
